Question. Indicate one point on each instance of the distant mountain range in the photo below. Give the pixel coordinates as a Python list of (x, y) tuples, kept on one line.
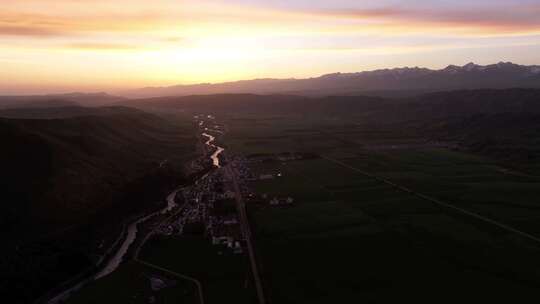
[(386, 82)]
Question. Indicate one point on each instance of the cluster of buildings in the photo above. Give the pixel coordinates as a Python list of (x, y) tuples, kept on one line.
[(241, 166), (280, 157), (281, 201), (198, 165), (209, 210)]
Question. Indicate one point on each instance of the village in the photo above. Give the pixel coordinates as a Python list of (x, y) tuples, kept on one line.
[(209, 208)]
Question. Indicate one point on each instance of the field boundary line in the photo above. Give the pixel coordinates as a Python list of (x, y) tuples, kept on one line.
[(310, 181), (193, 280), (437, 201)]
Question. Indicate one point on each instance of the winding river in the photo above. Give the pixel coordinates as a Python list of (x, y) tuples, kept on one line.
[(117, 259), (219, 150), (114, 262), (132, 229)]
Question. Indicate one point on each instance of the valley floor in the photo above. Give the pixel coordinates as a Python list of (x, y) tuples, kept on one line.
[(341, 215)]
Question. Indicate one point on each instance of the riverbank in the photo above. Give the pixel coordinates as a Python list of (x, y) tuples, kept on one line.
[(65, 289)]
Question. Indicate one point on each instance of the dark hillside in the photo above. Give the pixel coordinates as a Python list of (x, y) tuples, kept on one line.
[(62, 112), (58, 100), (498, 123), (473, 102), (451, 104), (221, 103), (509, 136), (261, 104), (75, 181)]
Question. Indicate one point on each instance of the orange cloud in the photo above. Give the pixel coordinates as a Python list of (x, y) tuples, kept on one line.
[(175, 19), (25, 24), (98, 46), (522, 19), (29, 31)]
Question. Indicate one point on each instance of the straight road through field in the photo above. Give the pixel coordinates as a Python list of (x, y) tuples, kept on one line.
[(247, 233), (436, 201)]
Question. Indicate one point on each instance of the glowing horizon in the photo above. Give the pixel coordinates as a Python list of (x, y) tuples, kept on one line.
[(82, 45)]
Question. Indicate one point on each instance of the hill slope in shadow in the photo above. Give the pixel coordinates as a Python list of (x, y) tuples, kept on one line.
[(69, 184)]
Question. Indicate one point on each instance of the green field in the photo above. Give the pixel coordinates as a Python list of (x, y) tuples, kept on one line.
[(131, 284), (350, 238), (224, 276), (343, 242)]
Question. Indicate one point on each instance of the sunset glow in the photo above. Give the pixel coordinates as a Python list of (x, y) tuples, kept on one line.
[(69, 45)]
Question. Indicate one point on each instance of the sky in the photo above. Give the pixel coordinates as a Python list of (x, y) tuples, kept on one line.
[(49, 46)]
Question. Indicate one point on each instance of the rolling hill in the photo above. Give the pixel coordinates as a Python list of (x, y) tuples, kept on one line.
[(488, 121)]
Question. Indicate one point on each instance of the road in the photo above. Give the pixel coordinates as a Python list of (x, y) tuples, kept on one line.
[(244, 224), (178, 275)]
